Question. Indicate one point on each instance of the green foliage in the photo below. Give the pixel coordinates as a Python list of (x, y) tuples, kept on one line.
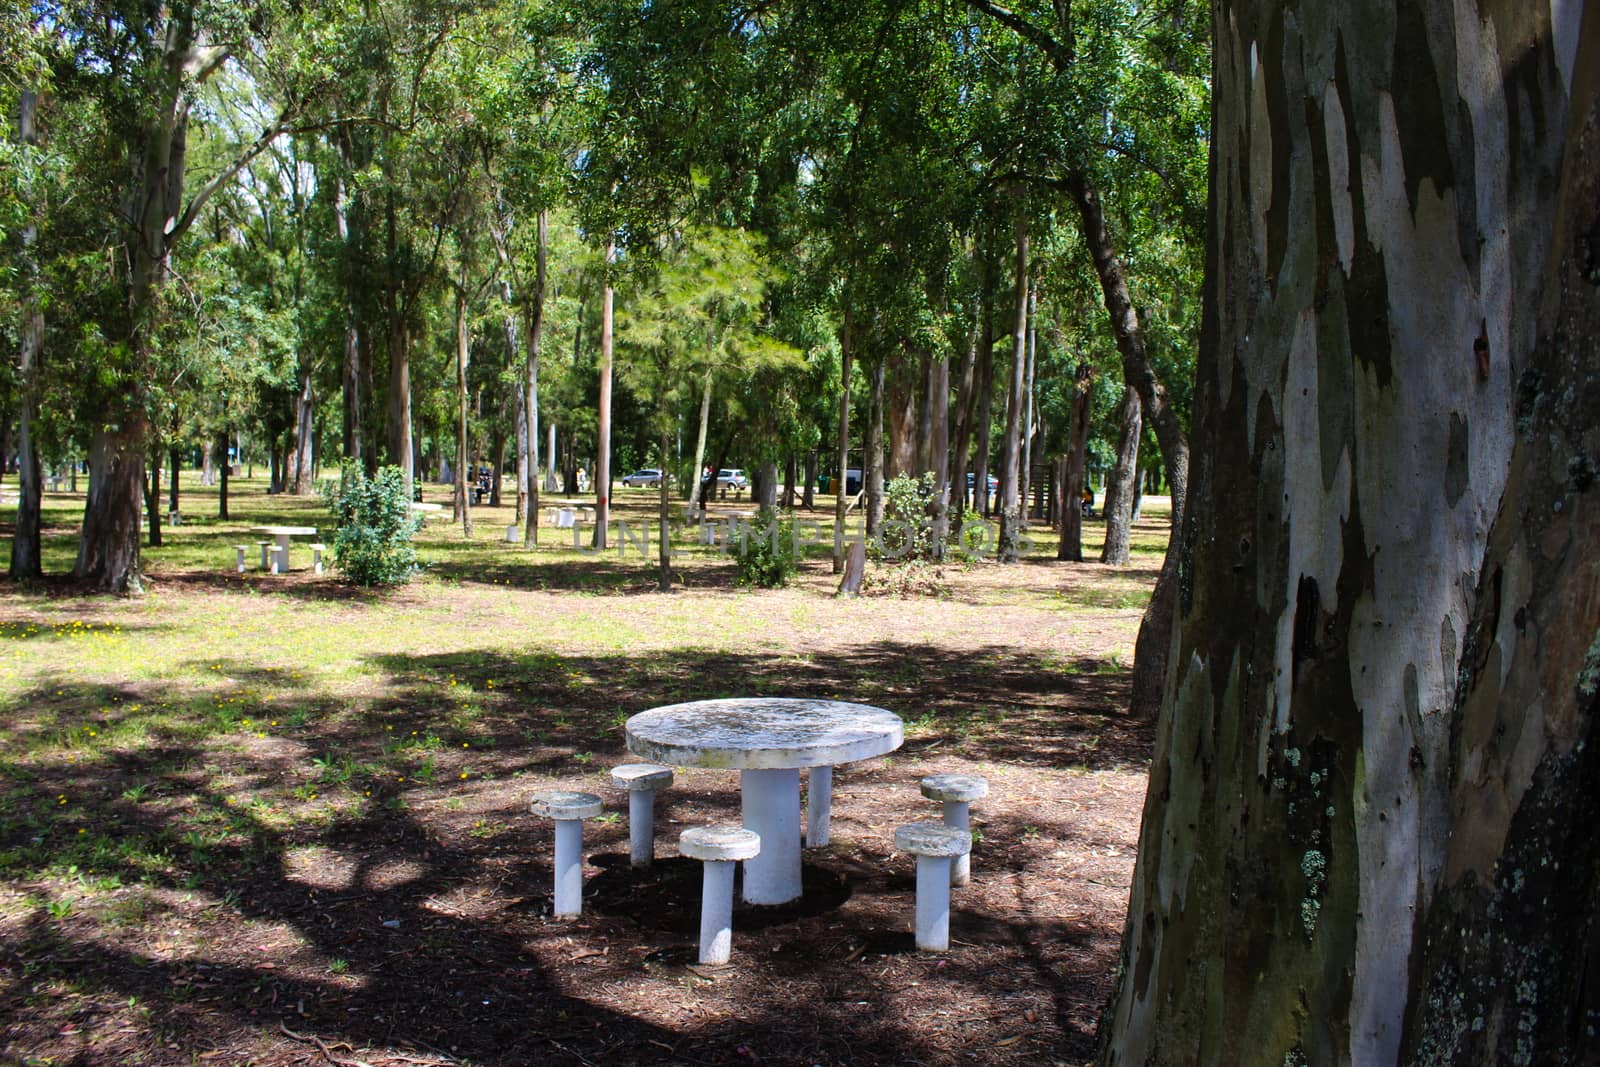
[(907, 531), (766, 553), (372, 545)]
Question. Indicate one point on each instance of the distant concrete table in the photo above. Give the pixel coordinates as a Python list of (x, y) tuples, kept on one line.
[(281, 534), (768, 740)]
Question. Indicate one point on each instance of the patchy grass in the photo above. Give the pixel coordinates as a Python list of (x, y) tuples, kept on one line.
[(246, 809)]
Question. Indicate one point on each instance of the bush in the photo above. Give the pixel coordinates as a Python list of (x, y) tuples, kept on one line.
[(766, 552), (906, 533), (375, 523)]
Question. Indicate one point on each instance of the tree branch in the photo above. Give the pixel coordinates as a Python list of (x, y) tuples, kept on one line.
[(1061, 54)]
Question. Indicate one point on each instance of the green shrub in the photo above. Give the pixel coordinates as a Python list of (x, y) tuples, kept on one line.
[(374, 526), (766, 552), (907, 530)]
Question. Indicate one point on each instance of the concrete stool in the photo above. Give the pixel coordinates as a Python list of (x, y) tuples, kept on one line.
[(957, 791), (513, 534), (641, 780), (265, 547), (935, 846), (720, 847), (316, 557), (238, 557), (280, 559), (568, 809)]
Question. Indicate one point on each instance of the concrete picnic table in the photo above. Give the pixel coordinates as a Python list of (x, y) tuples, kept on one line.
[(768, 740), (281, 534)]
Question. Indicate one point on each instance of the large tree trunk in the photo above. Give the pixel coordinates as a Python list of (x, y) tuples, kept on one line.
[(1122, 484), (664, 517), (842, 450), (900, 412), (1513, 936), (939, 450), (1011, 446), (26, 543), (1071, 544), (1362, 715), (108, 550), (226, 463)]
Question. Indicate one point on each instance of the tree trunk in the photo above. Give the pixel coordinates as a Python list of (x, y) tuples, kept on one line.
[(530, 400), (1367, 835), (175, 457), (808, 492), (152, 496), (696, 503), (1029, 406), (900, 412), (108, 550), (872, 460), (966, 391), (466, 476), (602, 462), (1123, 483), (303, 475), (664, 517), (764, 494), (846, 355), (984, 416), (226, 464), (924, 460), (1071, 545), (939, 451), (1011, 446), (26, 543), (791, 474), (1513, 934)]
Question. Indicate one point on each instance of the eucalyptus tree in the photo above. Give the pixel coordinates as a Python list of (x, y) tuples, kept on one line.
[(138, 66), (1368, 834), (699, 315)]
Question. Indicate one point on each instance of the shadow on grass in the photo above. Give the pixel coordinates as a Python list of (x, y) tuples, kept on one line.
[(290, 887)]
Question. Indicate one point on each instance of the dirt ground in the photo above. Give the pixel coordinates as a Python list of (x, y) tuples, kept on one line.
[(419, 932)]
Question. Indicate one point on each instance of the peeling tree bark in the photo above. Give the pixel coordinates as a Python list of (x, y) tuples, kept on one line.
[(1325, 797)]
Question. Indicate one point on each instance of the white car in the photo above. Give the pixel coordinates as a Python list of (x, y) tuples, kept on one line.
[(732, 479)]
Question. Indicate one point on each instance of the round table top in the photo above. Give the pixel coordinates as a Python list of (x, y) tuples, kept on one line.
[(764, 733), (285, 531)]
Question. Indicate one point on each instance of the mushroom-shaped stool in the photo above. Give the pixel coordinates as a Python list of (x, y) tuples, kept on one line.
[(934, 845), (641, 780), (720, 847), (957, 792), (568, 809)]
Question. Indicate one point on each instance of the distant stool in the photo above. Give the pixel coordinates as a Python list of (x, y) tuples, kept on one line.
[(316, 557), (641, 780), (513, 534), (935, 846), (280, 559), (265, 547), (720, 847), (957, 791), (238, 557), (568, 809)]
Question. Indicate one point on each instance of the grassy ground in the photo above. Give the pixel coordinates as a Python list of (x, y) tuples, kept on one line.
[(217, 798)]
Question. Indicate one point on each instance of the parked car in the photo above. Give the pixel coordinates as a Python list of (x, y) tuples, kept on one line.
[(732, 479), (649, 478), (993, 483)]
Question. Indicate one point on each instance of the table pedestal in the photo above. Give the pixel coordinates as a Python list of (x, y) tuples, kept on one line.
[(771, 806)]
